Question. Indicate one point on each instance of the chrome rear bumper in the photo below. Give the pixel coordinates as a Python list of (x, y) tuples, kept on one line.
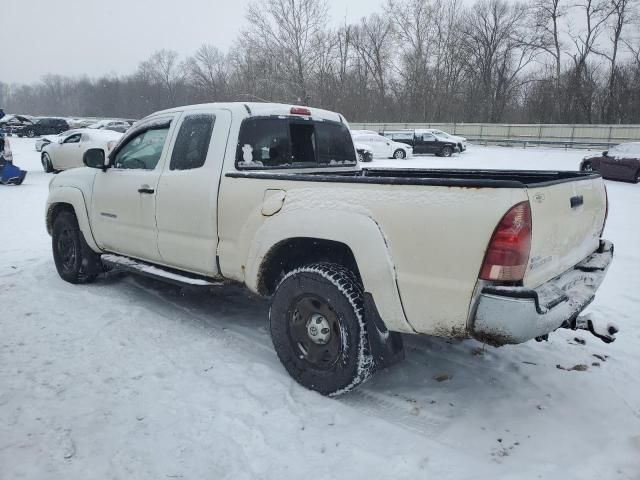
[(507, 315)]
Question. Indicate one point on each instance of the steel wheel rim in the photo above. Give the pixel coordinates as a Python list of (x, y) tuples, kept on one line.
[(66, 249), (314, 332)]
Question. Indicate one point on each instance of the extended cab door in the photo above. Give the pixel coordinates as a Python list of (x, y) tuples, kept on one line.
[(187, 198), (124, 197)]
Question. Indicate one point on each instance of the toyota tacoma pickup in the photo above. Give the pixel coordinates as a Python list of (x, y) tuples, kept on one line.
[(273, 197)]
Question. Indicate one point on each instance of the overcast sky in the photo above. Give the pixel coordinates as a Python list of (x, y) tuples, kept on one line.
[(94, 37)]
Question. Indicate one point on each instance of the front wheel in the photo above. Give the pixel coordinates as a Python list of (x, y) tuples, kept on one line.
[(31, 133), (446, 151), (399, 154), (587, 167), (47, 165), (75, 261), (318, 329)]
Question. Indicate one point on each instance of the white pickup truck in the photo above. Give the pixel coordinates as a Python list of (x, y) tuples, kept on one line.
[(272, 197)]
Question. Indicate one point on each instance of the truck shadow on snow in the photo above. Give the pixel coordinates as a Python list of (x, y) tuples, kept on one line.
[(439, 380)]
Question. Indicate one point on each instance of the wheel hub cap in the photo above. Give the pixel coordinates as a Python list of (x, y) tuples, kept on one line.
[(318, 329)]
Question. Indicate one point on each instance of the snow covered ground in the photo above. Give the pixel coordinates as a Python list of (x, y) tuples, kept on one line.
[(130, 378)]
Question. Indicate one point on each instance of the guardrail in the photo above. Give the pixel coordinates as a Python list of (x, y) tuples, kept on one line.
[(558, 135)]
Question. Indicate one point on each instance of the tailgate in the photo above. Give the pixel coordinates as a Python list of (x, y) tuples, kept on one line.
[(567, 220)]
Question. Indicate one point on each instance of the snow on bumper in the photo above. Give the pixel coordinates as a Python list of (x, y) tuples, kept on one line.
[(516, 314)]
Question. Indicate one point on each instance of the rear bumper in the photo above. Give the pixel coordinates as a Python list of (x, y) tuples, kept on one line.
[(508, 315)]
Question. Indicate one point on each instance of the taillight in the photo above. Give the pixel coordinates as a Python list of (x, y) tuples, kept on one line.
[(606, 210), (508, 251), (300, 111)]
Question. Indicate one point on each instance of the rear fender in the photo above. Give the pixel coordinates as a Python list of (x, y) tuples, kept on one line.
[(359, 232)]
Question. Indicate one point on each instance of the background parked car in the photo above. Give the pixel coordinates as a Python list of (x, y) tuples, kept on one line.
[(114, 125), (11, 123), (43, 126), (365, 154), (383, 147), (621, 162), (424, 141), (69, 148), (461, 142), (47, 139)]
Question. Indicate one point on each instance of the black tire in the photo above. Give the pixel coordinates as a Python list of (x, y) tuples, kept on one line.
[(637, 178), (446, 151), (335, 294), (75, 261), (31, 133), (45, 159), (399, 154), (360, 157)]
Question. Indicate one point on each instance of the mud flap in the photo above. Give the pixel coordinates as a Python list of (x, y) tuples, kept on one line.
[(386, 347)]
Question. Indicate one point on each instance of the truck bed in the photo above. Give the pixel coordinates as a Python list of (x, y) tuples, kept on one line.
[(434, 177)]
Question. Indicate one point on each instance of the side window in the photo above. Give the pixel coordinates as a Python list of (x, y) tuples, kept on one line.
[(263, 142), (143, 150), (73, 138), (192, 143), (427, 137), (334, 144)]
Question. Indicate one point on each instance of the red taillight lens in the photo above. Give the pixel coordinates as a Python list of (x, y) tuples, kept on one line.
[(300, 111), (508, 252)]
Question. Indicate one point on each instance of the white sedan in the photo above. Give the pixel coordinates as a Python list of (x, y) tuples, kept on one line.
[(67, 151), (383, 146)]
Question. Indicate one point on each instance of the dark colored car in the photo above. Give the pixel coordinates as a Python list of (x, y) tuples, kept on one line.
[(11, 123), (42, 126), (621, 162), (424, 142)]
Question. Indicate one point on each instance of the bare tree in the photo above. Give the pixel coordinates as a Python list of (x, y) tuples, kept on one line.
[(619, 15), (209, 71), (164, 69), (291, 31), (373, 43), (498, 48), (547, 16)]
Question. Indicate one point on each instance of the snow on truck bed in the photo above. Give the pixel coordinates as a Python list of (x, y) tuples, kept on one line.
[(130, 378)]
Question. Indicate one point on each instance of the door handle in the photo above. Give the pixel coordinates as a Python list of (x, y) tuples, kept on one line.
[(576, 201), (146, 189)]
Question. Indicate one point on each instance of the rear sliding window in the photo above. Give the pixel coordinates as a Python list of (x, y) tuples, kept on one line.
[(274, 142)]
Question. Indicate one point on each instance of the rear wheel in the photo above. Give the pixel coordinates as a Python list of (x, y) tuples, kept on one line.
[(46, 163), (587, 167), (31, 133), (446, 151), (318, 329), (399, 154), (75, 261)]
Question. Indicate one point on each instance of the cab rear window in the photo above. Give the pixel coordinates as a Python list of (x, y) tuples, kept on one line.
[(276, 142)]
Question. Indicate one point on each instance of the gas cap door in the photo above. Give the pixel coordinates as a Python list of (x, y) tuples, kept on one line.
[(272, 202)]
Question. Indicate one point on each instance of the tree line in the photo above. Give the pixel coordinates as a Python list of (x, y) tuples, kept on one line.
[(543, 61)]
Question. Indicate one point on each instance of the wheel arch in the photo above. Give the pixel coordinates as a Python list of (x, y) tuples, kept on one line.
[(351, 239), (70, 199)]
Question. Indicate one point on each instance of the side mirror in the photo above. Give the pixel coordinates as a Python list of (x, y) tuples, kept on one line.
[(604, 154), (60, 140), (95, 158)]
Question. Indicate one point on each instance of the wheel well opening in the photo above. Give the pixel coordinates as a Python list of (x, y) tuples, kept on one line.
[(54, 211), (296, 252)]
